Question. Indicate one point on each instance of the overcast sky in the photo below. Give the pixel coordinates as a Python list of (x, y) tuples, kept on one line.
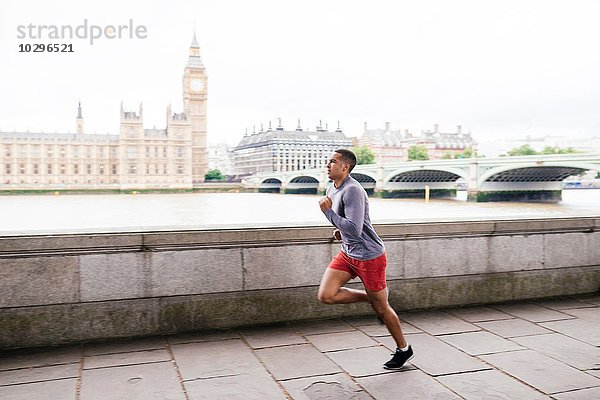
[(498, 68)]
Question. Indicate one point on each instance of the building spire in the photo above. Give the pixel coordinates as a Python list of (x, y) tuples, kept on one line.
[(194, 61), (79, 110), (79, 120)]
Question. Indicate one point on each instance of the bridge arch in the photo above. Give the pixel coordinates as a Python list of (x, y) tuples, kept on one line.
[(366, 181), (270, 185), (302, 184), (421, 176), (534, 172)]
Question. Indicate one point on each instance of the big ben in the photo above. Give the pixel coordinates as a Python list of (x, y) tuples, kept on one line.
[(195, 91)]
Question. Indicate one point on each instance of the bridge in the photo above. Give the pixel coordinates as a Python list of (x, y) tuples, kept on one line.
[(523, 178)]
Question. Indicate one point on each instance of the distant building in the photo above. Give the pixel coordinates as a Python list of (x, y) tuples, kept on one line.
[(287, 150), (219, 157), (136, 158), (391, 146)]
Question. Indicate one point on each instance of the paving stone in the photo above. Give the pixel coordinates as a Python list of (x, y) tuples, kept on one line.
[(271, 336), (532, 312), (476, 343), (489, 385), (363, 362), (362, 320), (381, 330), (438, 358), (123, 346), (27, 358), (570, 351), (296, 361), (405, 385), (196, 337), (509, 328), (563, 304), (341, 341), (337, 386), (595, 373), (479, 314), (541, 372), (147, 381), (63, 389), (584, 330), (438, 322), (38, 374), (258, 385), (211, 359), (322, 326), (136, 357), (584, 394), (591, 314)]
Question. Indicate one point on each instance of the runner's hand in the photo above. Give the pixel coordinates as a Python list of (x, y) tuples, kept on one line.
[(325, 203)]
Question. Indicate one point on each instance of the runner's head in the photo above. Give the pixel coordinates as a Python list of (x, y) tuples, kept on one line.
[(347, 157)]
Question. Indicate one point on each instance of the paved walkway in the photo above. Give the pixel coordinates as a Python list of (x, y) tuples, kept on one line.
[(533, 350)]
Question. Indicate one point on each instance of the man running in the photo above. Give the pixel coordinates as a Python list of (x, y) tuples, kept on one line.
[(346, 206)]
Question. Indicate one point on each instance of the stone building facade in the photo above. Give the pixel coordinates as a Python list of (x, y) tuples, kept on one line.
[(136, 158), (390, 145), (281, 150)]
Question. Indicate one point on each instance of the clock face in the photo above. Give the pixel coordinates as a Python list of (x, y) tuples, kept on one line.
[(197, 85)]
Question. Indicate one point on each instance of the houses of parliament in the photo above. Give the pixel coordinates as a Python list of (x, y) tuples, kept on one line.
[(136, 158)]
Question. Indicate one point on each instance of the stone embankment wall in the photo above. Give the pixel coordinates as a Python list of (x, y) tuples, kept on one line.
[(72, 287)]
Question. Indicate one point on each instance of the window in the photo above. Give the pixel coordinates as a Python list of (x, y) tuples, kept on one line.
[(49, 169), (35, 150), (164, 153), (114, 169), (131, 152), (35, 169), (76, 169), (7, 150), (89, 169), (22, 151), (49, 151), (7, 169), (75, 151), (179, 151), (63, 169), (132, 168), (180, 169), (101, 169), (63, 152)]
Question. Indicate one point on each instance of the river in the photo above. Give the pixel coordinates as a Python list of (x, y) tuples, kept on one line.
[(23, 214)]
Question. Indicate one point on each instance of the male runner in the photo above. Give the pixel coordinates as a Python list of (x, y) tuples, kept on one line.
[(346, 206)]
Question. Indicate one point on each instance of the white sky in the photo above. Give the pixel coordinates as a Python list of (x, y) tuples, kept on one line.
[(498, 68)]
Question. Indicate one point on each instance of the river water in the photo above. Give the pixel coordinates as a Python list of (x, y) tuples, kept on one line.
[(143, 212)]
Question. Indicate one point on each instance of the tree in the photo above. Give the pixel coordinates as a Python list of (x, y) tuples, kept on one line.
[(447, 156), (558, 150), (214, 175), (467, 153), (524, 150), (417, 153), (364, 155)]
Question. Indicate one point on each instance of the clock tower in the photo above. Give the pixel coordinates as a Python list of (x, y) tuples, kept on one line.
[(195, 93)]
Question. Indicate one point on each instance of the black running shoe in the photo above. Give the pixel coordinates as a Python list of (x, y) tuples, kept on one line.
[(399, 359)]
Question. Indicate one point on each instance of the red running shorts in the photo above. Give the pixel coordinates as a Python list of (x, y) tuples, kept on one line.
[(370, 272)]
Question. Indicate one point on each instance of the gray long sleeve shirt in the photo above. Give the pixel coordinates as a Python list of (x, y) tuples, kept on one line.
[(350, 214)]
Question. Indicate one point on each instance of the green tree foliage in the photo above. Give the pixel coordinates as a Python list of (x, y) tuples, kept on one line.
[(364, 155), (527, 150), (558, 150), (524, 150), (447, 156), (417, 152), (214, 175)]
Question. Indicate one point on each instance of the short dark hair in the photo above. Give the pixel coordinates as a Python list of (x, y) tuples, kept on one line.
[(348, 157)]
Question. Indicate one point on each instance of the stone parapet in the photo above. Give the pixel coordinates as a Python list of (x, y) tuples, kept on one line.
[(71, 287)]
